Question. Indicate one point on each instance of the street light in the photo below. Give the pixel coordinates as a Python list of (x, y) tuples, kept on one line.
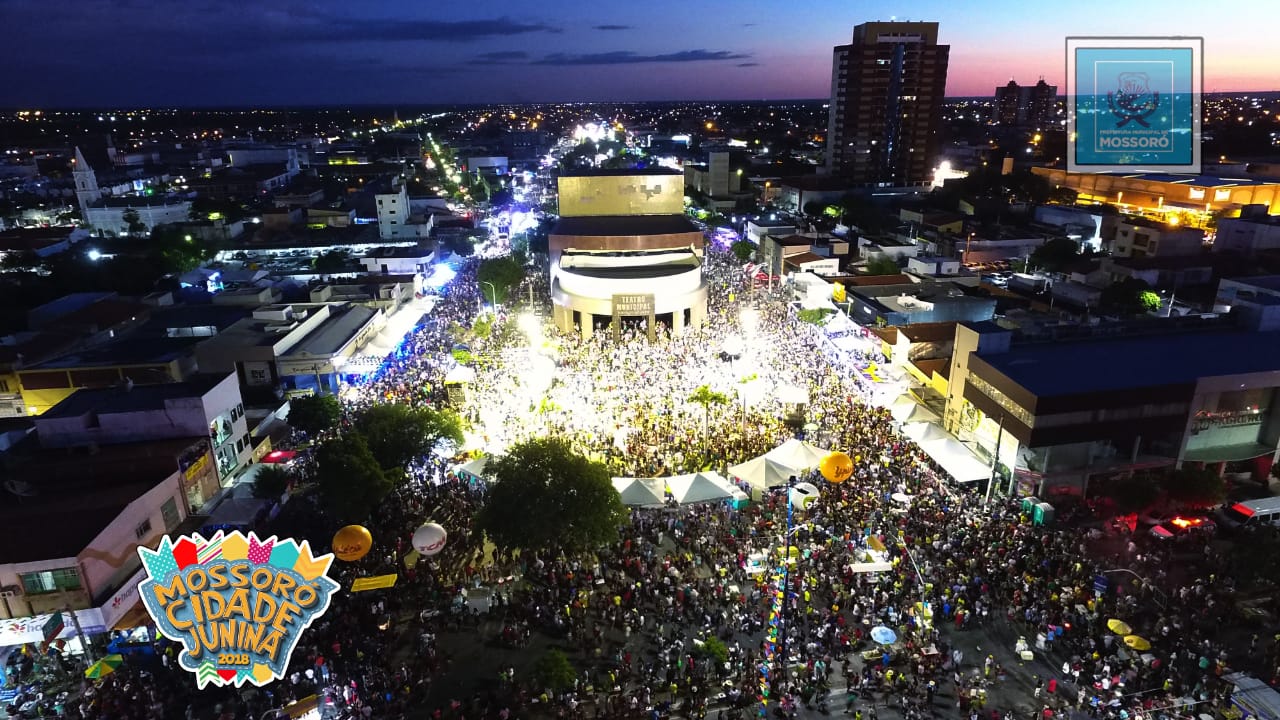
[(494, 292)]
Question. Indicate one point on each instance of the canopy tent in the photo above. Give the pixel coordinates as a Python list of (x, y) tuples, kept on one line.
[(957, 460), (797, 454), (793, 394), (923, 432), (840, 323), (699, 487), (460, 374), (236, 511), (474, 468), (640, 492), (763, 473), (905, 410)]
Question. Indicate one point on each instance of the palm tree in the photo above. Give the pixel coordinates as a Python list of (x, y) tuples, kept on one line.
[(706, 397)]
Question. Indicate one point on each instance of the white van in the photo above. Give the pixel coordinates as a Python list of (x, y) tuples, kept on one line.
[(1250, 513)]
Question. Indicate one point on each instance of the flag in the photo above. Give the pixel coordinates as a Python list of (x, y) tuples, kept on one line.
[(54, 626)]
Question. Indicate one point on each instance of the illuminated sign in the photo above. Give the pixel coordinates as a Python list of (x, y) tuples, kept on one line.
[(640, 305), (237, 604), (587, 195), (1134, 103)]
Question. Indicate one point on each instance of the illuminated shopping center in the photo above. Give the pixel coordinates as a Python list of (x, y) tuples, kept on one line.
[(623, 251), (1192, 198)]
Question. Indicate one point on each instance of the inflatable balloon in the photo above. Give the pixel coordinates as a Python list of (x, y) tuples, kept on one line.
[(352, 543), (836, 467), (429, 539)]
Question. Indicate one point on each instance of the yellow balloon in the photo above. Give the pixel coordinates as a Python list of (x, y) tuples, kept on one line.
[(352, 543), (836, 467)]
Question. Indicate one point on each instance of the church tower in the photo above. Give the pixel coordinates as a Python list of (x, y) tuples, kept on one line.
[(87, 191)]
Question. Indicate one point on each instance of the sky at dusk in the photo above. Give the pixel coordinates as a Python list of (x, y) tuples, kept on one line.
[(84, 53)]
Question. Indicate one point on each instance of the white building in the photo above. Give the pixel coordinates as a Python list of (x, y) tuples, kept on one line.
[(396, 219), (205, 406), (1141, 238), (1250, 233), (106, 214), (72, 539)]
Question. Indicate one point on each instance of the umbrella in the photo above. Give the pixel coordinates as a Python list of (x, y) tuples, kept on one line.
[(105, 666), (883, 635), (1119, 627), (901, 497), (1137, 643)]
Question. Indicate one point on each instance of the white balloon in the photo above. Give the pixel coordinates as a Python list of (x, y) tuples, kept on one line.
[(429, 539)]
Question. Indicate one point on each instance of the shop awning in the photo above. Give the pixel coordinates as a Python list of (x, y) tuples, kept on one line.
[(957, 460)]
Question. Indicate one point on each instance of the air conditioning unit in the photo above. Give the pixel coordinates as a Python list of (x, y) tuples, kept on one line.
[(9, 591)]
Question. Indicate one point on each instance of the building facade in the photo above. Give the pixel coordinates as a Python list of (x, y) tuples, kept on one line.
[(887, 88), (624, 252), (1025, 105)]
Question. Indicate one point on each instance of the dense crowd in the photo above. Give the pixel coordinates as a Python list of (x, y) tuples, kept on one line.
[(670, 618)]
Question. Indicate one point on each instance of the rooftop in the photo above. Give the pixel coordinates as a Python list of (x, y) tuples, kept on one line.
[(620, 172), (1204, 181), (134, 351), (335, 332), (1053, 369), (75, 496), (131, 399), (607, 225), (794, 240), (805, 257), (929, 332)]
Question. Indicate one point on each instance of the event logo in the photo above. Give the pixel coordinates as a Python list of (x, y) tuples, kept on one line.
[(1135, 101), (1134, 104), (238, 605)]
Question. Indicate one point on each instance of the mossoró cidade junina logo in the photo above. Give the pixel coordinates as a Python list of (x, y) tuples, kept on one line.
[(237, 604)]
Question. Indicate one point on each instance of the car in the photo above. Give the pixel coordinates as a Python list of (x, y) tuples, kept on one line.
[(1183, 525)]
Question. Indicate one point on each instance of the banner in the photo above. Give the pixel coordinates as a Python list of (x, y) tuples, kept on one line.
[(377, 582), (237, 604)]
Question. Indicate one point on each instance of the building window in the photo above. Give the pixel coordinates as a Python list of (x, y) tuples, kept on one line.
[(143, 530), (169, 511), (39, 583)]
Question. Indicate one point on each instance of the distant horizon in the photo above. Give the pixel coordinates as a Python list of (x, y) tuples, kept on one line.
[(414, 105)]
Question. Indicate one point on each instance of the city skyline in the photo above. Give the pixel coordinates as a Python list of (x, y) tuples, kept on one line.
[(241, 53)]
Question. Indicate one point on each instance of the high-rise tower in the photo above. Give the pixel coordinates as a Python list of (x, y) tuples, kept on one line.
[(887, 88)]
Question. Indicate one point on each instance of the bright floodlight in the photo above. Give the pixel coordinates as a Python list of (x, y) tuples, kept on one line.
[(530, 325), (750, 320), (94, 255)]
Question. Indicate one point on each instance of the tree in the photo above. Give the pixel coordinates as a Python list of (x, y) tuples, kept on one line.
[(814, 208), (1056, 254), (504, 273), (351, 481), (133, 222), (882, 265), (706, 397), (816, 316), (1133, 494), (397, 434), (863, 214), (271, 482), (1195, 487), (714, 648), (314, 414), (1130, 296), (334, 261), (546, 496), (744, 250), (553, 670)]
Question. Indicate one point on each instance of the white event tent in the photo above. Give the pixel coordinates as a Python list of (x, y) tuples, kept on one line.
[(699, 487), (763, 473), (956, 460), (797, 454), (640, 492)]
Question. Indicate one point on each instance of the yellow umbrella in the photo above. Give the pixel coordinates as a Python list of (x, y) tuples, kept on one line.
[(105, 666), (1119, 627), (1136, 643)]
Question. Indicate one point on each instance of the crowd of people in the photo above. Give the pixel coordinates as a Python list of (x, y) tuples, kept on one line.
[(671, 619)]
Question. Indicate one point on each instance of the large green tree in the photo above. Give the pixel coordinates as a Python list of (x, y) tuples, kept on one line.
[(1196, 487), (397, 434), (1130, 296), (706, 397), (546, 496), (553, 670), (744, 250), (504, 273), (882, 265), (1056, 254), (350, 480), (271, 481), (315, 413)]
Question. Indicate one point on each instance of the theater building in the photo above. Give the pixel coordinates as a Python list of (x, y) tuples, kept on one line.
[(624, 253)]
